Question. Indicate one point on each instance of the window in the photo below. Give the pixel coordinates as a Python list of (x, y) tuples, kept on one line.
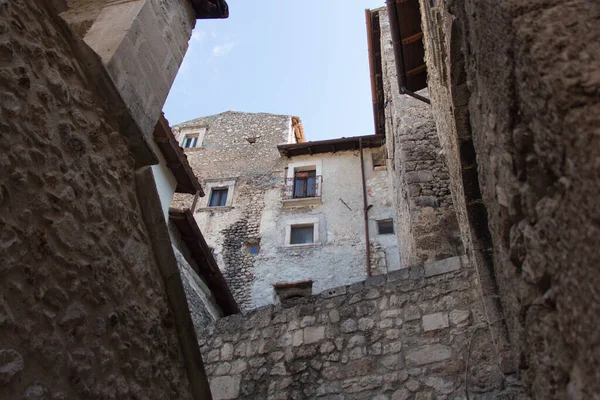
[(385, 227), (302, 234), (218, 198), (253, 248), (378, 158), (190, 141), (305, 184)]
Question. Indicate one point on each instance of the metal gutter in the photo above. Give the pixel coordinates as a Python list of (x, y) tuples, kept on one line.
[(366, 208), (368, 17)]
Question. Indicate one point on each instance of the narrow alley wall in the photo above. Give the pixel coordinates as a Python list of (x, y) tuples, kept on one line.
[(426, 221), (515, 90), (83, 313), (410, 334)]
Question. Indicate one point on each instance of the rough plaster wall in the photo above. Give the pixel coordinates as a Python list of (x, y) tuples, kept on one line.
[(257, 213), (427, 226), (83, 313), (532, 69), (406, 335), (255, 168), (339, 256)]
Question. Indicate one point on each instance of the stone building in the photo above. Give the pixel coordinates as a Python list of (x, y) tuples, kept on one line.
[(286, 217), (513, 88), (92, 303)]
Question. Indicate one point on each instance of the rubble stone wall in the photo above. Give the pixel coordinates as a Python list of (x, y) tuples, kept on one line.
[(515, 89), (227, 158), (426, 222), (410, 334), (83, 312)]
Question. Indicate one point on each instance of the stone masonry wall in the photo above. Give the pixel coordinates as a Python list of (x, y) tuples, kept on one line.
[(517, 101), (83, 313), (410, 334), (226, 155), (426, 223)]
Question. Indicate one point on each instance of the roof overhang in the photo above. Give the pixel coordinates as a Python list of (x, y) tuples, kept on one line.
[(210, 9), (176, 159), (205, 264), (407, 38), (330, 146), (375, 67)]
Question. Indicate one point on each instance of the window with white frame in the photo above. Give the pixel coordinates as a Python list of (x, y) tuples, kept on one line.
[(385, 226), (218, 197), (220, 194), (190, 140), (302, 234), (303, 231)]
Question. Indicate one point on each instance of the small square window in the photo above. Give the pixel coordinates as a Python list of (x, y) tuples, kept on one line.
[(378, 157), (302, 234), (190, 141), (385, 227), (218, 198), (253, 248)]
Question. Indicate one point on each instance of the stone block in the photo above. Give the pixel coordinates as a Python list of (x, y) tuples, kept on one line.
[(444, 266), (313, 334), (398, 275), (418, 176), (401, 394), (225, 387), (365, 324), (334, 316), (227, 352), (334, 292), (298, 338), (348, 326), (460, 317), (392, 362), (440, 385), (378, 280), (428, 354), (279, 369), (435, 321)]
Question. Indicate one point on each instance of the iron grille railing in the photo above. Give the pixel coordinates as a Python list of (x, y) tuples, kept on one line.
[(301, 188)]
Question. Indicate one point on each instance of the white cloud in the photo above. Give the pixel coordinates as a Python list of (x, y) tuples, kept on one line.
[(221, 50), (198, 35)]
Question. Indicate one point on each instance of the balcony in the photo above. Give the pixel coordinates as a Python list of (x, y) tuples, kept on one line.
[(302, 190)]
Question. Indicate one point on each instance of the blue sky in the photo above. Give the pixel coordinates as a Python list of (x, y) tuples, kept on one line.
[(300, 57)]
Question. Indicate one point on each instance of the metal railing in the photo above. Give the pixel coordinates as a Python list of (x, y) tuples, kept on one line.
[(301, 188)]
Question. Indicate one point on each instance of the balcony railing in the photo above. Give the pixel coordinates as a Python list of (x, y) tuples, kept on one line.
[(302, 188)]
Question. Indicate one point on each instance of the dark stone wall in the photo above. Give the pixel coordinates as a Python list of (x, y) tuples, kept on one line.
[(83, 312), (426, 220), (516, 94)]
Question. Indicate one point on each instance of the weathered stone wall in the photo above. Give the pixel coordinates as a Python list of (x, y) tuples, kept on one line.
[(426, 221), (515, 91), (410, 334), (201, 300), (157, 32), (226, 158), (83, 313), (254, 173)]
